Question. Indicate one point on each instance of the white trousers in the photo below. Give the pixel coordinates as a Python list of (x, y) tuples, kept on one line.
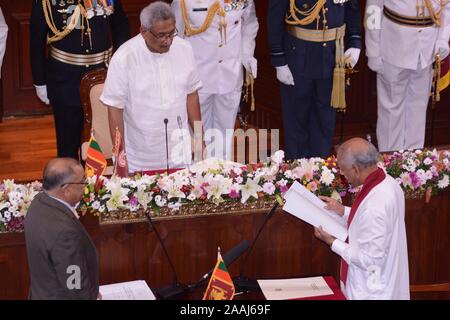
[(402, 106), (219, 114)]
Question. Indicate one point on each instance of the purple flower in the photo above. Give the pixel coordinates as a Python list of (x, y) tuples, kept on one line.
[(415, 180), (234, 194), (284, 188), (133, 201), (2, 187)]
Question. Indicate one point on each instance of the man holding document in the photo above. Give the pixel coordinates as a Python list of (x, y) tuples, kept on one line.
[(374, 261)]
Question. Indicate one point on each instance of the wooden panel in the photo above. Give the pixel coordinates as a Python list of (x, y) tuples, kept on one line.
[(286, 248)]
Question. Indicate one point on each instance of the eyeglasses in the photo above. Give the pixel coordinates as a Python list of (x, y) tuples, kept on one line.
[(162, 36), (84, 183)]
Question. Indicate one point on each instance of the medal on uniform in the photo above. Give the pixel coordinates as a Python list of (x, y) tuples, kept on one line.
[(62, 3), (109, 8), (89, 9), (227, 5)]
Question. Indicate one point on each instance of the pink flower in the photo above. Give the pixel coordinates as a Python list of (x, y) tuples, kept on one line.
[(269, 188), (234, 194), (415, 180), (284, 188)]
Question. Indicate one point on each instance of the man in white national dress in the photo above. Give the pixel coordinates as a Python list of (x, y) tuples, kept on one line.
[(374, 261), (152, 83)]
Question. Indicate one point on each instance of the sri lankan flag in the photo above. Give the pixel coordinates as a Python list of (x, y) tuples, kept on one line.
[(220, 286), (444, 79), (95, 161)]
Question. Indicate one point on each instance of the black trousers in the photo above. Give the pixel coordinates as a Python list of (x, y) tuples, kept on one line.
[(308, 119), (63, 86)]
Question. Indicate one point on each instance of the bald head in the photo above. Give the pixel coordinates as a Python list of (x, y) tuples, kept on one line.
[(358, 152), (59, 171)]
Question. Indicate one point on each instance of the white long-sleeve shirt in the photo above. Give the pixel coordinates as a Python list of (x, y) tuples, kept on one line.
[(220, 65), (403, 46), (376, 253), (151, 87), (3, 36)]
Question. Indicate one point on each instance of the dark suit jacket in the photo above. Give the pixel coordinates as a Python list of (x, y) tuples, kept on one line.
[(55, 241)]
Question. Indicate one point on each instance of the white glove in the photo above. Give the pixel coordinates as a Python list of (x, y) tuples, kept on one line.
[(375, 64), (41, 92), (442, 48), (353, 54), (284, 75), (251, 65)]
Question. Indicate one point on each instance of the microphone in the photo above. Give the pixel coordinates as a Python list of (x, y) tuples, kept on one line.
[(176, 288), (243, 283), (228, 259), (167, 144), (180, 126)]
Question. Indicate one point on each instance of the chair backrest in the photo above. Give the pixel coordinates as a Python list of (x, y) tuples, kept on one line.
[(95, 113)]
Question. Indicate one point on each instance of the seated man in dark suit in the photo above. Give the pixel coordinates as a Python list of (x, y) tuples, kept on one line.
[(62, 258)]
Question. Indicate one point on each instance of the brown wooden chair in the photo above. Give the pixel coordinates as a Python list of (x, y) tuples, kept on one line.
[(95, 115)]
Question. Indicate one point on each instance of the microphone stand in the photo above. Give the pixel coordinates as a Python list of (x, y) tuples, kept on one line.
[(176, 288), (167, 144), (241, 282)]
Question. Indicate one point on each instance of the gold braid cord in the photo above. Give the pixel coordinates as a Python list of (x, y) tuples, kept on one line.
[(435, 16), (435, 92), (216, 8), (309, 15), (79, 13), (338, 91), (249, 84)]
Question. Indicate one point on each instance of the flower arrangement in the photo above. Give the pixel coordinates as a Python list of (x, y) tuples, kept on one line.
[(419, 171), (214, 182), (14, 202)]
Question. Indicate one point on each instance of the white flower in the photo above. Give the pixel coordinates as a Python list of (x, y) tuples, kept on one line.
[(160, 202), (102, 208), (444, 182), (288, 174), (173, 190), (9, 184), (174, 206), (418, 152), (191, 197), (250, 189), (96, 205), (239, 179), (406, 179), (278, 157), (427, 161), (327, 177), (237, 170), (144, 198)]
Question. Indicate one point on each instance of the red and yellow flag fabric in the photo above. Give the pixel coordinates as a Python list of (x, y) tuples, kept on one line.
[(444, 80), (95, 161), (220, 286)]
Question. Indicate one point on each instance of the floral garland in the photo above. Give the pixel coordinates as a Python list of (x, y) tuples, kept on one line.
[(419, 171)]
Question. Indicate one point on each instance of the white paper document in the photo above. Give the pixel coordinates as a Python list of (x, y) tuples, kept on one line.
[(132, 290), (303, 204), (284, 289)]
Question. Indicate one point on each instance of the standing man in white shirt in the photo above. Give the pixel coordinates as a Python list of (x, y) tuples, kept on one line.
[(152, 78), (3, 36), (374, 261), (403, 38), (222, 33)]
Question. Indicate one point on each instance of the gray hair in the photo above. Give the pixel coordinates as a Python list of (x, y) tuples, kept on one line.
[(361, 158), (58, 172), (156, 11)]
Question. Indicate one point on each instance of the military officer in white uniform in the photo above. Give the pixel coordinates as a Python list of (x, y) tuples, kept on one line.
[(222, 34), (3, 35), (403, 38)]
